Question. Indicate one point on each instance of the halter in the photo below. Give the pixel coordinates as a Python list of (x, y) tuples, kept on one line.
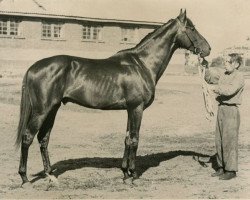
[(188, 31)]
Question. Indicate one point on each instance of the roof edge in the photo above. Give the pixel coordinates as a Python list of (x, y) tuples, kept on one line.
[(81, 18)]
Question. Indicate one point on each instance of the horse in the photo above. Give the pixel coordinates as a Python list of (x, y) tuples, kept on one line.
[(124, 81)]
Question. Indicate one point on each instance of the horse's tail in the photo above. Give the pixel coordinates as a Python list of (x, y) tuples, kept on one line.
[(25, 111)]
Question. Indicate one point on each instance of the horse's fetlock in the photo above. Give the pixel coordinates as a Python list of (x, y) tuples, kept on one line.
[(21, 172), (134, 142), (47, 170)]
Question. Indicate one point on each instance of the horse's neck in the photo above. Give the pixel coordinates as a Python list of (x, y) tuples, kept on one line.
[(157, 53)]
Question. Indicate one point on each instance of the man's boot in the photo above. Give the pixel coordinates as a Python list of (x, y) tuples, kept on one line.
[(228, 175), (219, 172)]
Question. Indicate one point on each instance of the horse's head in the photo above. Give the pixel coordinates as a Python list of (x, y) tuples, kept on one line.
[(189, 38)]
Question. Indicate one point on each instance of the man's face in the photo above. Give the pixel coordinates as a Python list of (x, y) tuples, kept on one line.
[(230, 65)]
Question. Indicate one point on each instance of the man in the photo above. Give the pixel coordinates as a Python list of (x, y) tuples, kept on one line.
[(228, 85)]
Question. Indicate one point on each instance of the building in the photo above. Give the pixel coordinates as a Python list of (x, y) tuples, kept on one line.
[(32, 29)]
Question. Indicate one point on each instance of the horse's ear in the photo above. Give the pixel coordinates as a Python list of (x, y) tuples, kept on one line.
[(182, 16), (185, 12)]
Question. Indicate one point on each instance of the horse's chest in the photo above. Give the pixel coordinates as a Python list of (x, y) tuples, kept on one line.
[(139, 94), (149, 99)]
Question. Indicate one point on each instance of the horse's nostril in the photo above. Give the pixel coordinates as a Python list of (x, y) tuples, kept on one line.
[(197, 50)]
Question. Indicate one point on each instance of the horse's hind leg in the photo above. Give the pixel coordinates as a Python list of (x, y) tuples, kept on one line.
[(27, 139), (43, 138), (26, 142)]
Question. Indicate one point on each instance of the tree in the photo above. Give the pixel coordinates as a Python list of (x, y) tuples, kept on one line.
[(217, 62)]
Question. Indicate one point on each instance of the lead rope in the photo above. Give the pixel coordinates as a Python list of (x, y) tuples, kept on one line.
[(207, 93)]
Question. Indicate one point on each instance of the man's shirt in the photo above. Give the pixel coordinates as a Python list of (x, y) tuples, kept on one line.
[(230, 86)]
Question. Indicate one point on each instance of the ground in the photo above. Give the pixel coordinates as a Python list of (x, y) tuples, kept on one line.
[(86, 148)]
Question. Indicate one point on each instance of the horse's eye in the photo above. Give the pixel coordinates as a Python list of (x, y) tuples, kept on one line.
[(192, 28)]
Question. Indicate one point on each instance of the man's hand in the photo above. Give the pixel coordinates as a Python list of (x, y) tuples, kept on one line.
[(204, 63), (214, 88)]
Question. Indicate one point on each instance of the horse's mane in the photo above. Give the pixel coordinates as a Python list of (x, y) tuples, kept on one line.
[(153, 34), (148, 38)]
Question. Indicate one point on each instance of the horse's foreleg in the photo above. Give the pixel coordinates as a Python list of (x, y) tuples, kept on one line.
[(135, 124), (135, 117), (126, 153)]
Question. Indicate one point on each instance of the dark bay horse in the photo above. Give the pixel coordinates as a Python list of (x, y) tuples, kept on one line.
[(126, 81)]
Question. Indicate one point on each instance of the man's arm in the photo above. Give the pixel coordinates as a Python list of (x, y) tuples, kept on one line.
[(230, 89), (212, 75)]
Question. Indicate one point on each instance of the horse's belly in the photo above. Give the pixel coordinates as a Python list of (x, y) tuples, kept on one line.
[(98, 99), (105, 103)]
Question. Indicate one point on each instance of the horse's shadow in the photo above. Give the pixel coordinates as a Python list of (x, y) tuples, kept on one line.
[(143, 162)]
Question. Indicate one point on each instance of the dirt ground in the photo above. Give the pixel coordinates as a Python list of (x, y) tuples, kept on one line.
[(86, 148)]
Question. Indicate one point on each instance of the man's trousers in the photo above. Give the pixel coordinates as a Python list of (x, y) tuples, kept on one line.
[(226, 136)]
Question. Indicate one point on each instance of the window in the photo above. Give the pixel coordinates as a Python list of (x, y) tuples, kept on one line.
[(52, 30), (3, 27), (14, 28), (9, 27), (91, 32), (129, 35)]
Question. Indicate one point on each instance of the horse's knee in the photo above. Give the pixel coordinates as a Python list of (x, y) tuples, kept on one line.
[(127, 141)]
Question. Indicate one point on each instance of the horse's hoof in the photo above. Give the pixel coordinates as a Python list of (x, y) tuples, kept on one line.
[(27, 185), (136, 181), (128, 181), (52, 180)]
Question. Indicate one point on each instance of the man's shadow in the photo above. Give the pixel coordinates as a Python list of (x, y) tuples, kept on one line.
[(143, 162)]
